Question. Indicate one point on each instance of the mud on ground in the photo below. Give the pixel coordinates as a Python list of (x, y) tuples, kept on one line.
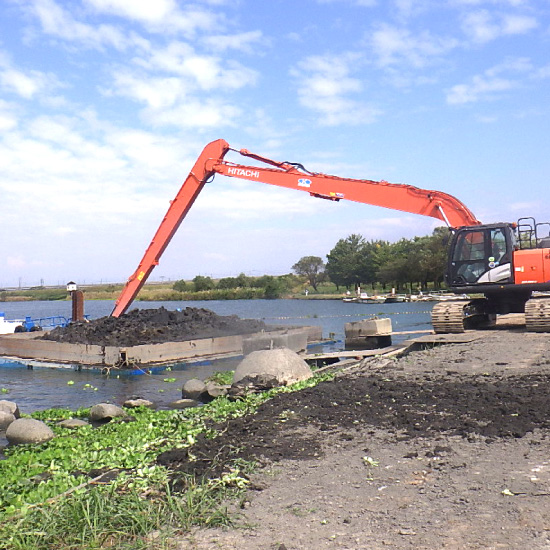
[(154, 326), (442, 448)]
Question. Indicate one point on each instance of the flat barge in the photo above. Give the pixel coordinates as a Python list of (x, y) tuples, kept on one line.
[(29, 346)]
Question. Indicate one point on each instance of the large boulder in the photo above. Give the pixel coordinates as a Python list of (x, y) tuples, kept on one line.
[(104, 412), (9, 406), (6, 418), (28, 430), (283, 365)]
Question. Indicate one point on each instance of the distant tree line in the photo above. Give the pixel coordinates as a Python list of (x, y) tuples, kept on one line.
[(242, 286), (408, 264)]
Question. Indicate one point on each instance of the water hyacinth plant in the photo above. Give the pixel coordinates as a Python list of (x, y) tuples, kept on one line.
[(101, 487)]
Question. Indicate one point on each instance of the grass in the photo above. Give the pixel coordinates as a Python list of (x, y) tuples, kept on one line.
[(106, 517), (47, 499)]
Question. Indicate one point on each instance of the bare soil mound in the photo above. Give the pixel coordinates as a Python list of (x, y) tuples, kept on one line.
[(154, 326), (442, 448), (491, 407)]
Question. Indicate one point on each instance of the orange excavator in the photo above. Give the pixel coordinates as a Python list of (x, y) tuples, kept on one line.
[(507, 265)]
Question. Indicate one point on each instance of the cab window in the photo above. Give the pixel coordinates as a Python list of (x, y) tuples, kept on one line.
[(471, 246)]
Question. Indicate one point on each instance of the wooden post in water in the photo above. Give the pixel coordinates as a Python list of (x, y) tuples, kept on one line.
[(78, 302)]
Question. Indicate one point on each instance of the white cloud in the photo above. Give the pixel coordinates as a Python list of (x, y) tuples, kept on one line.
[(171, 101), (513, 3), (141, 10), (59, 170), (157, 93), (395, 45), (161, 15), (236, 201), (59, 22), (408, 8), (190, 92), (489, 84), (542, 72), (361, 3), (203, 72), (195, 113), (324, 86), (8, 120), (483, 26), (245, 41), (481, 87), (26, 84)]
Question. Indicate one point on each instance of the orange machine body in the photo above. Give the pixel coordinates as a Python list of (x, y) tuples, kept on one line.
[(532, 266)]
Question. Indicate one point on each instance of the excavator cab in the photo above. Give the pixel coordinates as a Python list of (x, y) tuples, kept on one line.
[(481, 255)]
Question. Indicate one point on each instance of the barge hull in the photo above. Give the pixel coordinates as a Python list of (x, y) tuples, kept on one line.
[(31, 346)]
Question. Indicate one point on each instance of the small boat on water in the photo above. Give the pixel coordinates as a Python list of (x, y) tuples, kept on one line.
[(395, 298), (364, 298)]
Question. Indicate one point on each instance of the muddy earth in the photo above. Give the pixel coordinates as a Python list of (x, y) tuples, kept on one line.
[(441, 448), (154, 326)]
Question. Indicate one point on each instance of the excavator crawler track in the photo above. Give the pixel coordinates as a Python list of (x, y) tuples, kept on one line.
[(448, 317), (537, 314)]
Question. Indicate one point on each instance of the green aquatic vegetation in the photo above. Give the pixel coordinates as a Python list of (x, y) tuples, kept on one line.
[(46, 484), (223, 377)]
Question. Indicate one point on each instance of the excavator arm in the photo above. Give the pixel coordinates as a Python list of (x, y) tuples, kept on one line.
[(292, 176)]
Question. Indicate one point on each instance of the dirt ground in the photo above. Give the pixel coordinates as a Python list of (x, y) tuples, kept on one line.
[(154, 326), (442, 448)]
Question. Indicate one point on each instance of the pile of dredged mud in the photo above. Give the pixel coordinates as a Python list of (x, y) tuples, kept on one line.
[(154, 326)]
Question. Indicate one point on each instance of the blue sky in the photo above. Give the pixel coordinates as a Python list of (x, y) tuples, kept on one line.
[(106, 104)]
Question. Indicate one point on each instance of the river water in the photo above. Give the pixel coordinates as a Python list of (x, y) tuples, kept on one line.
[(43, 388)]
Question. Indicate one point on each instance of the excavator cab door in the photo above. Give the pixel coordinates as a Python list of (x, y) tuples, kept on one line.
[(480, 255)]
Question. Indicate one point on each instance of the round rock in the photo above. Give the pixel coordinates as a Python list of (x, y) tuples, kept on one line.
[(103, 412), (216, 390), (6, 418), (28, 430), (193, 389), (10, 407), (283, 364)]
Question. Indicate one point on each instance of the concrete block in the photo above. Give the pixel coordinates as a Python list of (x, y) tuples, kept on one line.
[(368, 327), (293, 339), (368, 334)]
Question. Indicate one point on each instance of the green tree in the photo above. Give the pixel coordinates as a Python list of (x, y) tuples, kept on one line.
[(228, 283), (311, 267), (432, 252), (203, 283), (272, 287), (180, 286), (346, 261), (242, 281), (414, 262)]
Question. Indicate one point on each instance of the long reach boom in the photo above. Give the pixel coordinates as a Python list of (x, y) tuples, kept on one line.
[(293, 176)]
